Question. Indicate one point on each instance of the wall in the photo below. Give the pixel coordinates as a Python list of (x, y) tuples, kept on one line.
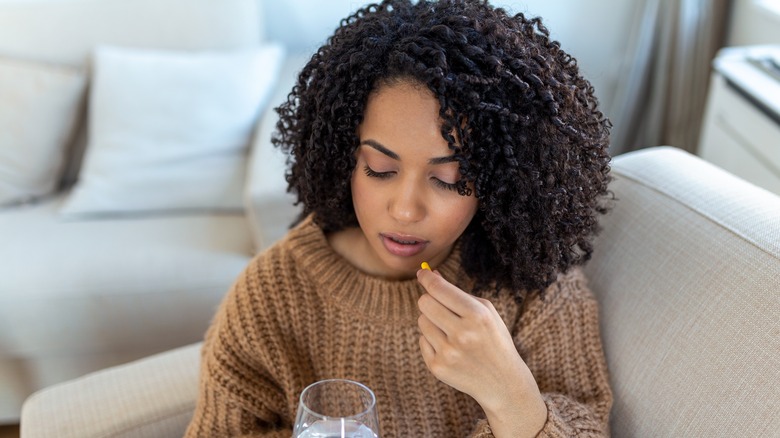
[(754, 22)]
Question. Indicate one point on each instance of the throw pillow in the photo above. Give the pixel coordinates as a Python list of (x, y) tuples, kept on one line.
[(40, 105), (170, 131)]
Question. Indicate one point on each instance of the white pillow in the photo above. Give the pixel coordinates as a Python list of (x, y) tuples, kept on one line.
[(171, 130), (40, 105)]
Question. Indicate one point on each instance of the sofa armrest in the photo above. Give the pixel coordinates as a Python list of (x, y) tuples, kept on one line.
[(270, 209), (686, 274), (151, 397)]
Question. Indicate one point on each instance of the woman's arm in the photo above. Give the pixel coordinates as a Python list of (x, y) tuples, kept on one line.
[(240, 393), (466, 344)]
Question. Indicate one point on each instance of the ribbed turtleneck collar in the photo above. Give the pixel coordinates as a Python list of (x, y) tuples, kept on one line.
[(339, 281)]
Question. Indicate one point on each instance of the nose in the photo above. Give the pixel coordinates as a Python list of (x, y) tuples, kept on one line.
[(407, 205)]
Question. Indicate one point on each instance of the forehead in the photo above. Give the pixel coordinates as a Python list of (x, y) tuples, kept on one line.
[(402, 112), (403, 98)]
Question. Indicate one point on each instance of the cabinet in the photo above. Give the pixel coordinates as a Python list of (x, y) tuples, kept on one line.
[(741, 126)]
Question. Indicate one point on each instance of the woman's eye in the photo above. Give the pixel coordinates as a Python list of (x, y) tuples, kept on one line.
[(444, 185), (383, 175), (374, 174)]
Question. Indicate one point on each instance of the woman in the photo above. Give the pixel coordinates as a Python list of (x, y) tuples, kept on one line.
[(443, 132)]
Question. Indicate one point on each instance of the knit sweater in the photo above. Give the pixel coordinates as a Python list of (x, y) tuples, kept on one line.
[(301, 313)]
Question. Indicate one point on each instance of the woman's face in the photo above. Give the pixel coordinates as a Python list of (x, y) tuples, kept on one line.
[(403, 185)]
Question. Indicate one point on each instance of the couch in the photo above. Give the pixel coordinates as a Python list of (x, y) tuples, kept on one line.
[(91, 278), (686, 271)]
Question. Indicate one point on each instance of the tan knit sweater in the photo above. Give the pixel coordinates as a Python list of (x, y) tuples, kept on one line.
[(301, 313)]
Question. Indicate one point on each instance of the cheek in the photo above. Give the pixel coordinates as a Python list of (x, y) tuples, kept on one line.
[(469, 209), (362, 195), (457, 215)]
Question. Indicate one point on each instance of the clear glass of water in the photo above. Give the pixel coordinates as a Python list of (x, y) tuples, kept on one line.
[(336, 408)]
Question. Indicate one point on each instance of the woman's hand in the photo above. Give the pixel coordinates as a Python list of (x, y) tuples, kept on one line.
[(466, 345)]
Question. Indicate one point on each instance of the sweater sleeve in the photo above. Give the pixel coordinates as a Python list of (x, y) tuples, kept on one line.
[(240, 394), (559, 339)]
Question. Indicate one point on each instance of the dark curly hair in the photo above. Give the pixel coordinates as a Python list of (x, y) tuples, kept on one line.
[(530, 135)]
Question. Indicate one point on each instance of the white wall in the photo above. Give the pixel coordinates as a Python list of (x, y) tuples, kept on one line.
[(304, 25), (754, 22), (595, 32)]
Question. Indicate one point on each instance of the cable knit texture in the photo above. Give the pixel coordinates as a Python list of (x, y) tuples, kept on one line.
[(301, 313)]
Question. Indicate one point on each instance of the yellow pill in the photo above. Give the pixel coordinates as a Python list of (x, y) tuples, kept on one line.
[(425, 265)]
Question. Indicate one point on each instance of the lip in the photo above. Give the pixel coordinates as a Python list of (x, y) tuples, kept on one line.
[(396, 248)]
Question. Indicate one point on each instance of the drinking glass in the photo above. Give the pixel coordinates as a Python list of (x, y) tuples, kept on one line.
[(336, 408)]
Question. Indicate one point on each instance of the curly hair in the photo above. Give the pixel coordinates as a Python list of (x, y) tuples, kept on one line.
[(530, 136)]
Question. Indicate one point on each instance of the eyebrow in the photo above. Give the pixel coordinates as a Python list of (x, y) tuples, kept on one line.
[(378, 146)]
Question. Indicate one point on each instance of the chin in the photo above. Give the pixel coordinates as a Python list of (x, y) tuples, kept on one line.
[(401, 269), (406, 269)]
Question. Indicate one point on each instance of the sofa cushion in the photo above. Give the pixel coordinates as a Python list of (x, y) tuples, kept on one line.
[(132, 285), (66, 32), (686, 272), (171, 130), (39, 108)]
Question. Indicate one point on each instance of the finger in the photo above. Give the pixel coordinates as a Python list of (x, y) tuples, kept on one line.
[(438, 314), (427, 351), (435, 336), (447, 293)]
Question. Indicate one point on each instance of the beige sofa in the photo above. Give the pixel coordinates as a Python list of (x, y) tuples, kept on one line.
[(78, 294), (687, 271)]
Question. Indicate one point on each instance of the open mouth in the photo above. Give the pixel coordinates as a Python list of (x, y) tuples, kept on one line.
[(403, 246), (404, 242)]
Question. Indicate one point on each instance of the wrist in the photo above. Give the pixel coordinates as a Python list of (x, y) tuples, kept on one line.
[(522, 415)]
